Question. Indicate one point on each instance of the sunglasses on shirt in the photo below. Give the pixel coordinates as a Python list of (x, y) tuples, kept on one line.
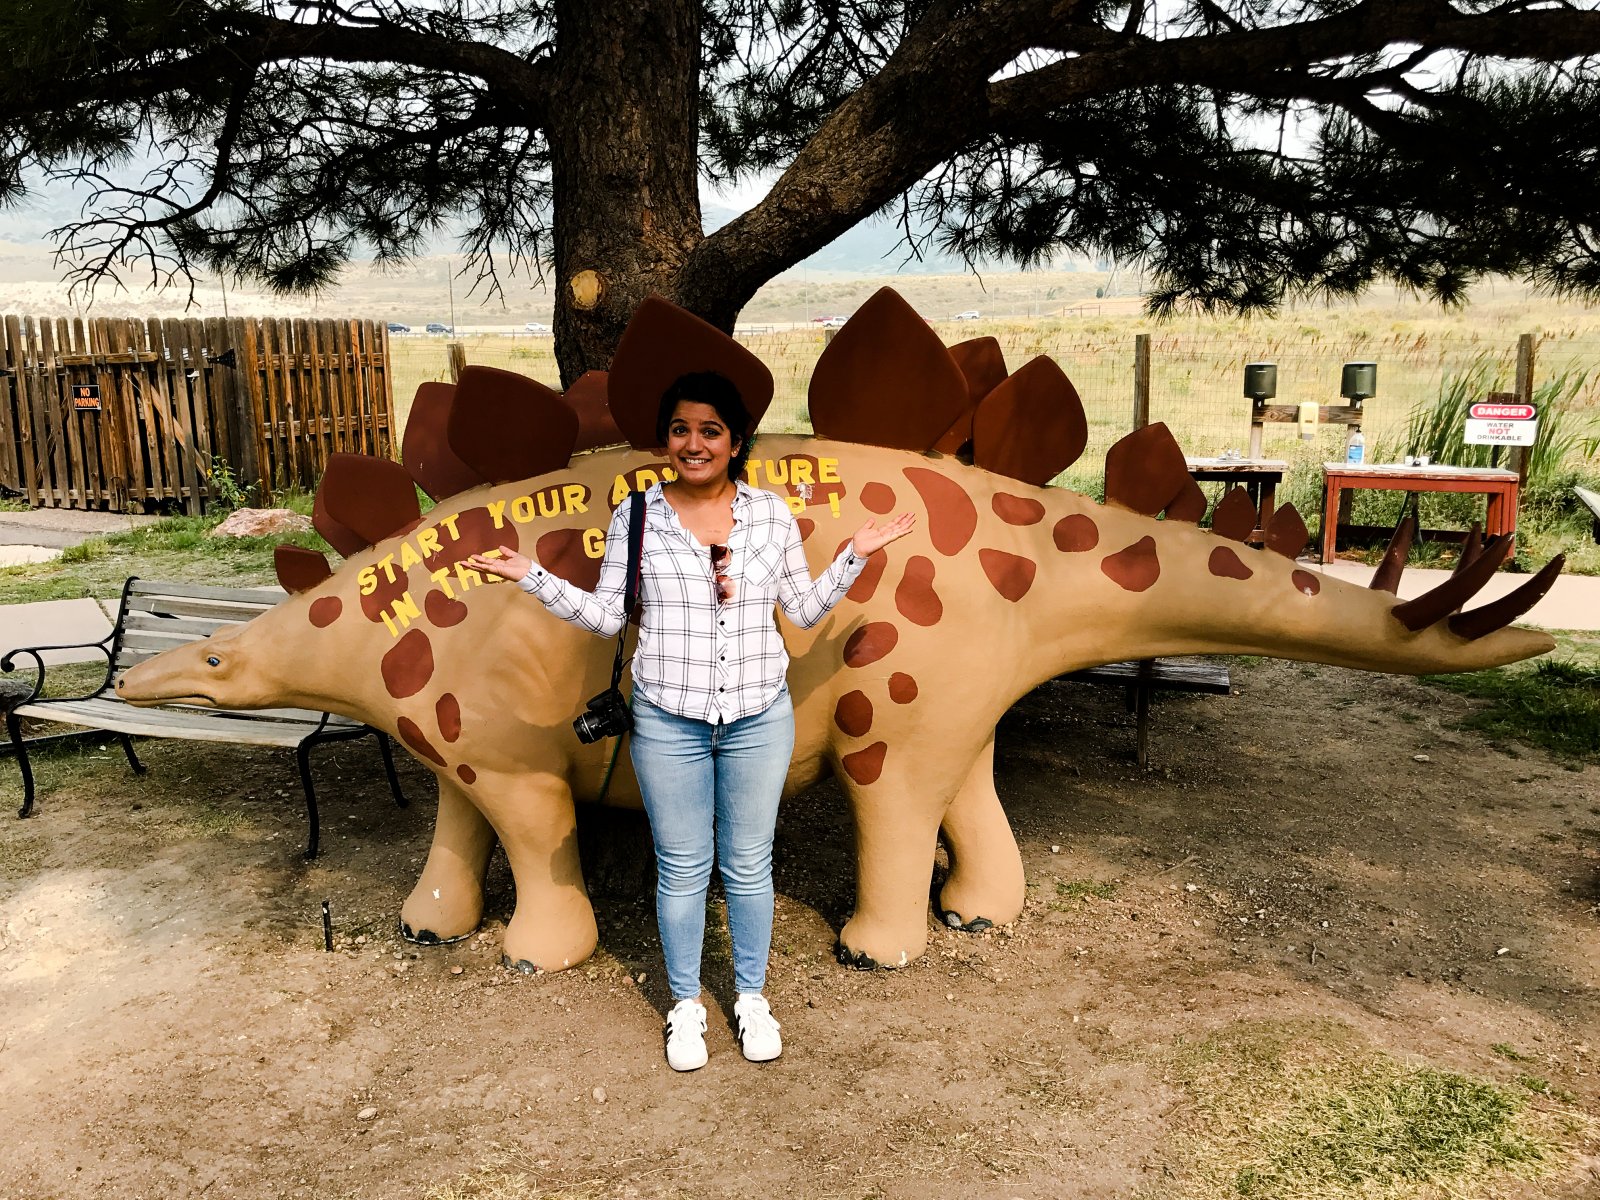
[(721, 561)]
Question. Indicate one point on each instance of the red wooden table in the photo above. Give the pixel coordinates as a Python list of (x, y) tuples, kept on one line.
[(1339, 478)]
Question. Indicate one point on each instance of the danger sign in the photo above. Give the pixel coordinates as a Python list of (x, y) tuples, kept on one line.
[(1490, 424)]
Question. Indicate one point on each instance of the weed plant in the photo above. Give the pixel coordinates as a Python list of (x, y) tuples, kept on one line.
[(1549, 702)]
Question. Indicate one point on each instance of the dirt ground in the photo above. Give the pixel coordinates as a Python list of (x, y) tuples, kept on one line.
[(174, 1028)]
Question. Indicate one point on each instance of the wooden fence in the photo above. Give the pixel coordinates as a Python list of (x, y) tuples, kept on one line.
[(113, 412)]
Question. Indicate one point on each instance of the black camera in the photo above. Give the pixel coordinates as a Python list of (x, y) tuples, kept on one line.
[(608, 716)]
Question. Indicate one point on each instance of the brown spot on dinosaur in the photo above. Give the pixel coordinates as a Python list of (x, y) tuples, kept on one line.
[(853, 713), (864, 766), (952, 516), (867, 582), (637, 480), (1017, 510), (1076, 533), (442, 610), (384, 597), (562, 553), (1134, 567), (877, 497), (915, 597), (467, 774), (807, 527), (475, 534), (413, 736), (902, 688), (1226, 563), (1305, 581), (325, 611), (870, 643), (448, 712), (1010, 574), (408, 665), (797, 472)]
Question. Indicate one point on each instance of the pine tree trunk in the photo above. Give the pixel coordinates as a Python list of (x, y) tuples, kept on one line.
[(623, 138)]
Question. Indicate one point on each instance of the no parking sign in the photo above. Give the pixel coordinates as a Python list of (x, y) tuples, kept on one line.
[(1496, 424)]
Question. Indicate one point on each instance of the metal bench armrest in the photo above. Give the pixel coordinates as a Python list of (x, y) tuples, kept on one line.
[(104, 645)]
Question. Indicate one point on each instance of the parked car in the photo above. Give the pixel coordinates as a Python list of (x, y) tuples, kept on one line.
[(396, 327), (834, 322), (971, 314), (439, 327), (536, 327)]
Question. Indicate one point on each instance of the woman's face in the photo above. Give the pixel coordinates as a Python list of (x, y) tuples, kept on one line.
[(699, 445)]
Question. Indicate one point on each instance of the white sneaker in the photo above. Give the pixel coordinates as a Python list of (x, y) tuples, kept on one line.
[(758, 1031), (686, 1036)]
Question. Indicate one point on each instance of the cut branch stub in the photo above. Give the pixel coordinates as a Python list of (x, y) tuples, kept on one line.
[(1285, 533), (1450, 595), (426, 450), (506, 426), (1499, 613), (1387, 577), (596, 426), (299, 569), (1190, 505), (983, 365), (342, 538), (886, 380), (1031, 426), (365, 498), (663, 342), (1145, 471), (1235, 515)]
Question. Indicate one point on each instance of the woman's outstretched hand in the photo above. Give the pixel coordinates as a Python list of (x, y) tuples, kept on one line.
[(508, 564), (872, 537)]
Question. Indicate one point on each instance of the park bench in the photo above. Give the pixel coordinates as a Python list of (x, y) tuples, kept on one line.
[(1591, 501), (1141, 678), (154, 617)]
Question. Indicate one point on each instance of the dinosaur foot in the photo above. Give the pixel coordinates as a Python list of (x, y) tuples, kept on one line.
[(976, 925), (427, 937)]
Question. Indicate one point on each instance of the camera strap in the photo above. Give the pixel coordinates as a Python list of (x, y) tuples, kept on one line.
[(630, 590)]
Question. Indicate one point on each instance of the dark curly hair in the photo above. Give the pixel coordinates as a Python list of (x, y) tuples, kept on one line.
[(708, 387)]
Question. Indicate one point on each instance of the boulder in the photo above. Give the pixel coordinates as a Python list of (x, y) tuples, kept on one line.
[(262, 522)]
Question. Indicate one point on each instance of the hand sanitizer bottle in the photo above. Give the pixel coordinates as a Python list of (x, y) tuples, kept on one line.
[(1356, 449)]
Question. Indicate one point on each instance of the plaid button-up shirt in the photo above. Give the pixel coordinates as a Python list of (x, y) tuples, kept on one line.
[(696, 657)]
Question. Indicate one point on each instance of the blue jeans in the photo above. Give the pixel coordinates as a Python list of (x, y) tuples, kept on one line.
[(713, 787)]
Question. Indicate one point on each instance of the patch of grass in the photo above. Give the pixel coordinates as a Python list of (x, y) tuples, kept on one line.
[(1306, 1111), (1071, 891), (178, 548), (1508, 1052), (1549, 702), (21, 856)]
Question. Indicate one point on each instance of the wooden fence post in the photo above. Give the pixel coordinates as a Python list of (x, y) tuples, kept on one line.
[(1524, 389), (1141, 380)]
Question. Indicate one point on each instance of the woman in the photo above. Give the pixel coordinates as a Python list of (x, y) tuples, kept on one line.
[(713, 726)]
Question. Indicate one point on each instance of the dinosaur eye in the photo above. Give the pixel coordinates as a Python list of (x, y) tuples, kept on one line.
[(213, 661)]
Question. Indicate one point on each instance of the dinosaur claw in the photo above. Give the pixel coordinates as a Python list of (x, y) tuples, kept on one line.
[(1387, 577), (1470, 548), (1434, 605), (1499, 613)]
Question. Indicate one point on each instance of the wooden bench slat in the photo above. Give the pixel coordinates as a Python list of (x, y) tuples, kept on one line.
[(188, 628), (221, 726), (199, 591), (184, 606), (1171, 674)]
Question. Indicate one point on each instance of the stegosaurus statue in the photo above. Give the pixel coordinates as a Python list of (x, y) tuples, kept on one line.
[(1004, 584)]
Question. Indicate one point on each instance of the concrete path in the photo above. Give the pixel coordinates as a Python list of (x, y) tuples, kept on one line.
[(42, 533), (56, 623)]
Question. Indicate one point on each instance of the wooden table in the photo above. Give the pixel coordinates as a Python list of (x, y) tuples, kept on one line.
[(1341, 478), (1260, 477)]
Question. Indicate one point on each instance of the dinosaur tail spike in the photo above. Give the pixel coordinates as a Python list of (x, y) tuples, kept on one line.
[(1471, 548), (1450, 595), (1189, 505), (1235, 515), (299, 569), (426, 452), (1285, 533), (1145, 471), (1497, 614), (1031, 426), (1387, 577), (363, 500)]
